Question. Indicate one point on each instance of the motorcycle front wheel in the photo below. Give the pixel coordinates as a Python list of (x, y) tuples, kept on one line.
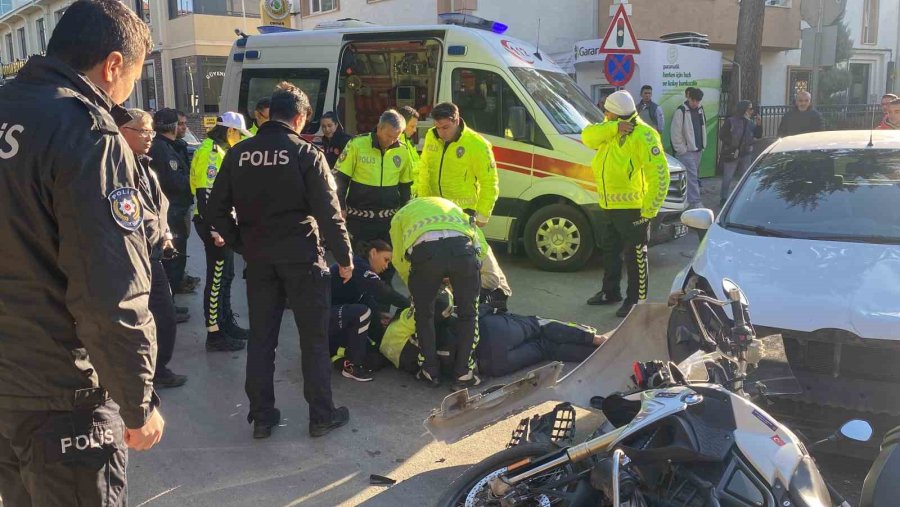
[(471, 488)]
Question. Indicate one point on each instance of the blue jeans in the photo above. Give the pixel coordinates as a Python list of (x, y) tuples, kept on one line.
[(691, 162)]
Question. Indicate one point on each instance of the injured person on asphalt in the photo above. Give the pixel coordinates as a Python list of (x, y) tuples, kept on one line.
[(507, 342)]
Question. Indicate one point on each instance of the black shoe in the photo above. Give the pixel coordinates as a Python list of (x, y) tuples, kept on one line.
[(625, 309), (230, 326), (181, 318), (192, 280), (185, 288), (218, 341), (165, 378), (356, 372), (181, 309), (429, 381), (263, 429), (496, 299), (603, 298), (339, 417), (466, 381)]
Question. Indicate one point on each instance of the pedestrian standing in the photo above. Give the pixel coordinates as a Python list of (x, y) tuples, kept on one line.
[(222, 330), (435, 239), (334, 139), (408, 138), (802, 118), (181, 134), (374, 176), (139, 133), (260, 114), (632, 180), (458, 164), (174, 174), (688, 135), (892, 120), (738, 134), (650, 111), (283, 194), (78, 345), (886, 100)]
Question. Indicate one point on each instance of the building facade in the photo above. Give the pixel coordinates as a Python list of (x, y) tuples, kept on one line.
[(874, 27)]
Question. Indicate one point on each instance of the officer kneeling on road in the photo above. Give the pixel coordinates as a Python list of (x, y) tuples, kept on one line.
[(434, 239), (283, 193), (77, 342), (632, 180)]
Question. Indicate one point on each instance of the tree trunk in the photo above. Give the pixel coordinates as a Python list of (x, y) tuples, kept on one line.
[(747, 52)]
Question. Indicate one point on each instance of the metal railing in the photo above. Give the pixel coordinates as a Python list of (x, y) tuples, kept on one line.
[(839, 117)]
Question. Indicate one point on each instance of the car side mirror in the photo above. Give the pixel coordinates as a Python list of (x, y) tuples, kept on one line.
[(699, 218), (857, 429)]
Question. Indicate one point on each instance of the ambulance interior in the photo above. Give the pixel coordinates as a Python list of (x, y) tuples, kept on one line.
[(379, 75)]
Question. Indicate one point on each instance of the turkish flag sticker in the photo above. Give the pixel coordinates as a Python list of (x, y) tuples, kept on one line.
[(778, 440)]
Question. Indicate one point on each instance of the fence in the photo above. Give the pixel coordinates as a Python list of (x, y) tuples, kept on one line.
[(840, 117)]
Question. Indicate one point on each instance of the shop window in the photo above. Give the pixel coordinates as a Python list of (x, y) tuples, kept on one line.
[(198, 83), (376, 76), (490, 106), (256, 84)]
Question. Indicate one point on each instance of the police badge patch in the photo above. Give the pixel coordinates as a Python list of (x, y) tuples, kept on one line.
[(397, 160), (211, 172), (654, 151), (460, 152), (125, 206), (173, 165), (343, 156)]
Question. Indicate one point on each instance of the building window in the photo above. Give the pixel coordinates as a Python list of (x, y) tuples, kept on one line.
[(859, 83), (798, 81), (148, 86), (42, 35), (142, 8), (23, 45), (198, 83), (59, 14), (870, 22), (238, 8), (10, 52), (320, 6)]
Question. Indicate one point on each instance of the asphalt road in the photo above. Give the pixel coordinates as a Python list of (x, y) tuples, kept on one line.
[(208, 458)]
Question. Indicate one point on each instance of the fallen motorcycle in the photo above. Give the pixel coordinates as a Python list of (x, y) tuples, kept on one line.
[(687, 435)]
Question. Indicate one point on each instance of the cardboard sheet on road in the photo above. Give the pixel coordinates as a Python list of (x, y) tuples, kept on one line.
[(640, 337)]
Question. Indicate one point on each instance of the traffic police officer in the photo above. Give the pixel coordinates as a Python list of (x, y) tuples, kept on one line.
[(458, 164), (78, 343), (374, 176), (283, 193), (411, 116), (222, 330), (435, 239), (632, 180)]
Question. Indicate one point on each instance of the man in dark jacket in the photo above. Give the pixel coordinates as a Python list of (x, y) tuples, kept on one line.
[(283, 193), (174, 178), (802, 118), (739, 131), (78, 343)]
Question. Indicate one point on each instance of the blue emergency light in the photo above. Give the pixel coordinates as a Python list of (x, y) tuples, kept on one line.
[(468, 20)]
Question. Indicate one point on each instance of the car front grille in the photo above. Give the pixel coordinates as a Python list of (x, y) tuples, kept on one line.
[(677, 188), (841, 358)]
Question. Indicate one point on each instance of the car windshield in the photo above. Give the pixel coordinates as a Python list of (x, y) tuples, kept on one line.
[(567, 107), (190, 138), (831, 195)]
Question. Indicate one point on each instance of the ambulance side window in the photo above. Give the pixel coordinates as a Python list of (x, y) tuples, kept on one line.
[(489, 106), (259, 83)]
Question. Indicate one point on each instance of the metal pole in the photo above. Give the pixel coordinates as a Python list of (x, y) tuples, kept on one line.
[(816, 53)]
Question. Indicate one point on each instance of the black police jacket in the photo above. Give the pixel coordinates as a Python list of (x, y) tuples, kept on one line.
[(75, 275), (284, 196), (365, 287), (156, 207), (173, 170), (334, 146)]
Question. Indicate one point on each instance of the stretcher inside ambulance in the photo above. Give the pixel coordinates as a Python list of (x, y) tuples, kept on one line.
[(524, 104)]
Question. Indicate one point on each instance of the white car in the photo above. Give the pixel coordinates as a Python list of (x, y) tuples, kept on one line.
[(812, 236)]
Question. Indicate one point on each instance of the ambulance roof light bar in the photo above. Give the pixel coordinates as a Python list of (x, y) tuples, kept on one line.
[(468, 20)]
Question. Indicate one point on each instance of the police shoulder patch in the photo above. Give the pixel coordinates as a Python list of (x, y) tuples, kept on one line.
[(173, 165), (397, 160), (211, 172), (125, 206), (655, 151), (460, 152), (343, 156)]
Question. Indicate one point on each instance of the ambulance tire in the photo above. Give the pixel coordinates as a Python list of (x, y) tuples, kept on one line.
[(549, 236)]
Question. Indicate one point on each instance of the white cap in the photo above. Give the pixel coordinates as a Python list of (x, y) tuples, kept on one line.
[(235, 121), (620, 103)]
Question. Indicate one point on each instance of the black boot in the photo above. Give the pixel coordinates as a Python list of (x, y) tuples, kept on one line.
[(603, 298), (230, 326), (262, 428), (218, 341), (339, 417), (625, 309)]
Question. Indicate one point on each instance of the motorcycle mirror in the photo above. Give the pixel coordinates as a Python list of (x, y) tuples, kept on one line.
[(734, 292), (857, 429)]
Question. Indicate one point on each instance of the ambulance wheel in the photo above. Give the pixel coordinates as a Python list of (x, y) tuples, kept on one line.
[(558, 237)]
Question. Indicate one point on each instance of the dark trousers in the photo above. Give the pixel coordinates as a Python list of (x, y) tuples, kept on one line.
[(430, 263), (506, 348), (366, 230), (180, 227), (308, 288), (624, 231), (63, 458), (219, 275), (163, 309), (349, 329)]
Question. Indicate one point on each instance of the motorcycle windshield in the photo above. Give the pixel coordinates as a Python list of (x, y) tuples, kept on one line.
[(773, 373)]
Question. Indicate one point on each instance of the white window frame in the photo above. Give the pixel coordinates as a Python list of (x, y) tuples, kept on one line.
[(314, 12), (869, 34)]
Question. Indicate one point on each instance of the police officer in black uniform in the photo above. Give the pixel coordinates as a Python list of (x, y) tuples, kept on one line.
[(77, 346), (283, 193), (174, 173)]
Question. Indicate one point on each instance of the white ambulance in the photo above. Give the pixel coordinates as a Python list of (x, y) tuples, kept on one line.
[(524, 104)]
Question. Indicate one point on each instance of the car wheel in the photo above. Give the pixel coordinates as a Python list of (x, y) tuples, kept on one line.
[(559, 238)]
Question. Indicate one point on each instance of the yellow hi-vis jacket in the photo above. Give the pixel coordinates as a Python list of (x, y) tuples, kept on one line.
[(204, 168), (631, 171), (463, 171)]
